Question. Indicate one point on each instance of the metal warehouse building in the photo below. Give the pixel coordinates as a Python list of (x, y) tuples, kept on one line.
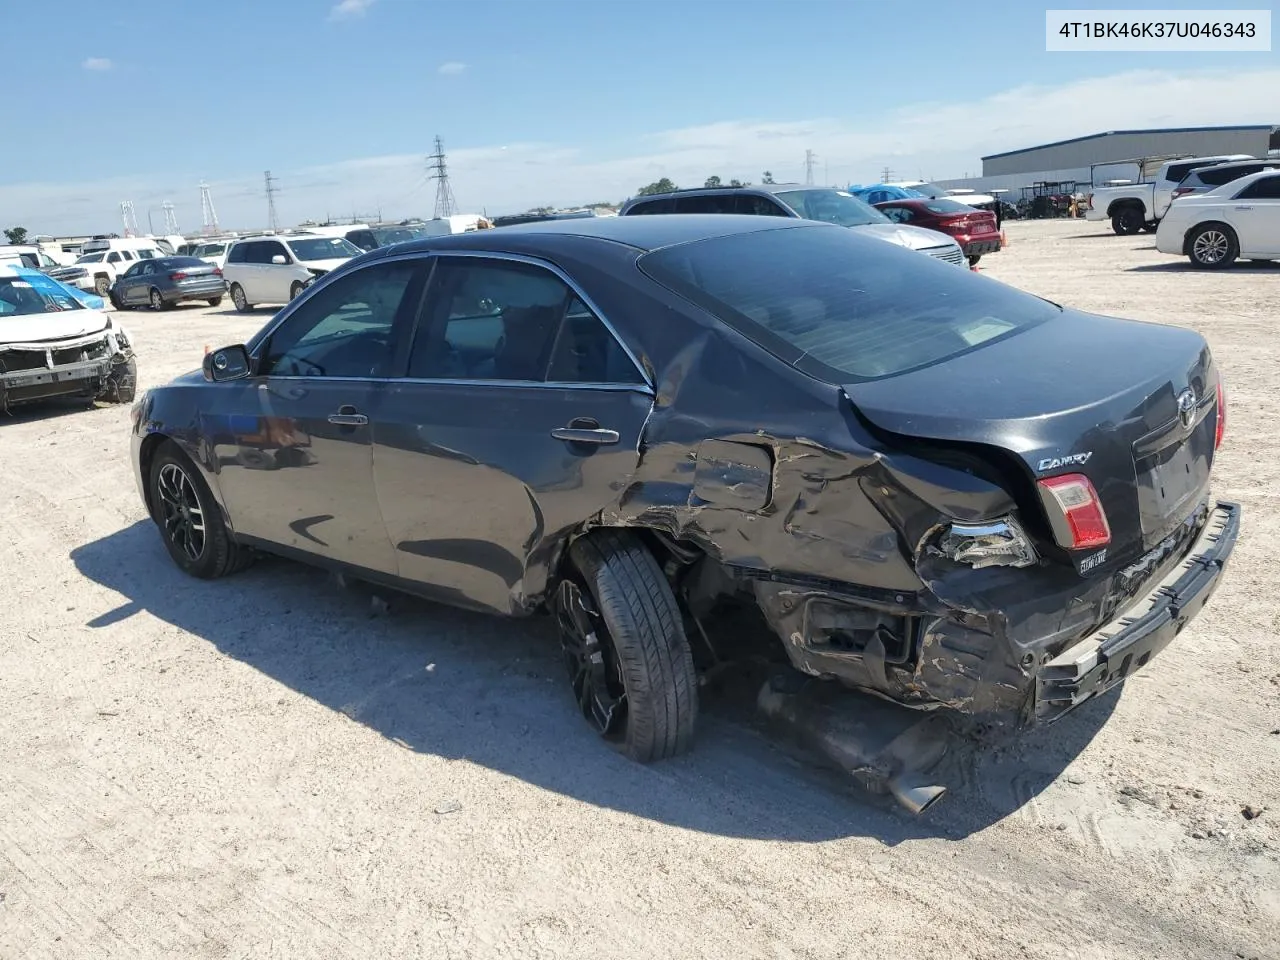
[(1071, 159)]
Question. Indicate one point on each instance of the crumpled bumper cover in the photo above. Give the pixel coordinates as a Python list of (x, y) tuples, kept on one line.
[(1114, 651)]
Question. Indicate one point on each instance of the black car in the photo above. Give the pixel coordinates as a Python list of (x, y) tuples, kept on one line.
[(164, 282), (934, 486)]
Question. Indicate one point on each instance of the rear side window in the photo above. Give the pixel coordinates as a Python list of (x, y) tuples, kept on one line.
[(1217, 177), (661, 205), (843, 307), (1266, 188), (755, 205)]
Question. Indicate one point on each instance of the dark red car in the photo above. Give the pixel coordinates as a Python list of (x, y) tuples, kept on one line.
[(975, 230)]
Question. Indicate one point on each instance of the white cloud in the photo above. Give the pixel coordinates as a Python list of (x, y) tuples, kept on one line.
[(451, 68), (346, 9), (97, 63), (931, 140)]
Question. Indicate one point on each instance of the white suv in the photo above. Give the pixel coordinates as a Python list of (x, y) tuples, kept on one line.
[(277, 269)]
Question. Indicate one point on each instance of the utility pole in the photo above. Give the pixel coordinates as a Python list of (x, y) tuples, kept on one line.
[(127, 216), (170, 218), (439, 172), (208, 215), (272, 189), (809, 158)]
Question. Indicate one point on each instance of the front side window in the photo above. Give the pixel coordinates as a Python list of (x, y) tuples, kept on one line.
[(323, 248), (841, 307), (831, 206), (754, 205), (238, 253), (91, 258), (346, 328), (706, 203)]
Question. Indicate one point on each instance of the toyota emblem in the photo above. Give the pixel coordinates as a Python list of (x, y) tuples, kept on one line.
[(1187, 407)]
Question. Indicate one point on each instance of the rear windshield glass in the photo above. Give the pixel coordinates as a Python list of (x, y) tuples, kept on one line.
[(843, 307), (947, 206)]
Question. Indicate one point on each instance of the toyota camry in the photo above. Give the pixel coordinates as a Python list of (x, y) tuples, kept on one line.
[(935, 487)]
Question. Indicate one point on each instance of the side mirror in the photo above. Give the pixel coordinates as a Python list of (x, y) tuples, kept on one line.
[(279, 258), (227, 363)]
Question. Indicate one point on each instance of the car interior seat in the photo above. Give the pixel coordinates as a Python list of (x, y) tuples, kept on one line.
[(522, 353)]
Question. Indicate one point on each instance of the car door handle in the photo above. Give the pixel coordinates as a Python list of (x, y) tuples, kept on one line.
[(347, 416), (596, 435), (1244, 208)]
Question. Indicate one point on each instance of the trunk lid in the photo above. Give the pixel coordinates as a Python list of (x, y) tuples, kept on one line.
[(1083, 394)]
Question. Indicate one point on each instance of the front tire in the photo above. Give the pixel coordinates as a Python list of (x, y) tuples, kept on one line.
[(295, 291), (157, 301), (121, 384), (973, 261), (239, 299), (1212, 246), (1127, 221), (189, 519), (101, 286), (629, 660)]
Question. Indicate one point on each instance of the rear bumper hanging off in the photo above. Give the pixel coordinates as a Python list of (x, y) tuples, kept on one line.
[(1113, 652)]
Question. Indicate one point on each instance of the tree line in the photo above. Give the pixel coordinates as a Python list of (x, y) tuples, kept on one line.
[(666, 185)]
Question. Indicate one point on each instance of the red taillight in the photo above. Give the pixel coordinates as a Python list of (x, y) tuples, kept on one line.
[(1180, 192), (1083, 518), (1222, 417), (178, 276), (217, 271)]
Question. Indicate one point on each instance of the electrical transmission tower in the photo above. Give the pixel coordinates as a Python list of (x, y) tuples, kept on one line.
[(272, 190), (886, 175), (439, 172), (810, 158), (208, 215), (170, 218), (130, 221)]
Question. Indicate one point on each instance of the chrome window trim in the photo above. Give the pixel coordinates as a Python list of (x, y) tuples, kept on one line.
[(426, 255), (642, 388)]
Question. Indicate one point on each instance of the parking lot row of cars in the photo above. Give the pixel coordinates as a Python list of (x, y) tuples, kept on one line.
[(1212, 210)]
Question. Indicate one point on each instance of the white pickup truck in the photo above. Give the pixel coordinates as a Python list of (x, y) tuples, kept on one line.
[(1139, 206)]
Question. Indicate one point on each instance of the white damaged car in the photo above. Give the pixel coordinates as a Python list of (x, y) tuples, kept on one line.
[(53, 345)]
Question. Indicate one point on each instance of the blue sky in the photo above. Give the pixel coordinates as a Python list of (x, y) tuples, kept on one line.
[(554, 103)]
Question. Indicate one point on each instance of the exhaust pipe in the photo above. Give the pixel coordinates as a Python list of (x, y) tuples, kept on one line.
[(914, 795)]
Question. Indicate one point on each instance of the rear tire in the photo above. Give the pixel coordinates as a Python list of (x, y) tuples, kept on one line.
[(215, 301), (973, 261), (630, 610), (189, 519), (239, 299), (1212, 246), (1127, 221)]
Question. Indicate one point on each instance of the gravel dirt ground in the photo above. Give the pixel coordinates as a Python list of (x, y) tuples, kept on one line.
[(273, 766)]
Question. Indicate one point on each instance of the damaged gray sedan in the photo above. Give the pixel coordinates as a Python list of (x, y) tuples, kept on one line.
[(935, 488)]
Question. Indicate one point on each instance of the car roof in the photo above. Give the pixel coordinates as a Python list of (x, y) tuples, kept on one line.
[(725, 188), (642, 233), (1274, 161)]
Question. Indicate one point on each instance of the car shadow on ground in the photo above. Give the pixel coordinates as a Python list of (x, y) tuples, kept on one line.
[(492, 691), (49, 409), (1184, 266)]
